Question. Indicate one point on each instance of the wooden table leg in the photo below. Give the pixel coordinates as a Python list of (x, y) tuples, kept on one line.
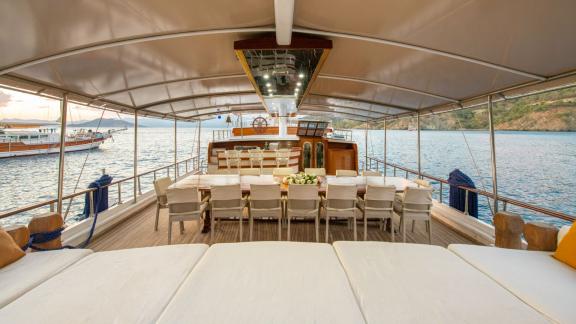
[(207, 220)]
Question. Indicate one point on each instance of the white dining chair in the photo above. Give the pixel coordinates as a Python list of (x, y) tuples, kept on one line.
[(232, 159), (160, 187), (226, 202), (303, 201), (378, 203), (340, 203), (283, 157), (416, 205), (371, 173), (422, 183), (282, 172), (346, 173), (184, 204), (265, 201), (321, 172), (256, 158), (249, 171)]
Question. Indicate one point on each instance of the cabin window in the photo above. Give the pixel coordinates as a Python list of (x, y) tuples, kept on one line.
[(306, 155), (319, 155)]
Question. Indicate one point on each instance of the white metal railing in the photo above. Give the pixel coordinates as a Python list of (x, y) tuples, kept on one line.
[(343, 134), (220, 134), (191, 165), (375, 164)]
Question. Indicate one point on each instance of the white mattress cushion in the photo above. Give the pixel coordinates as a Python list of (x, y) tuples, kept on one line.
[(412, 283), (125, 286), (265, 282), (535, 277), (562, 232), (33, 269)]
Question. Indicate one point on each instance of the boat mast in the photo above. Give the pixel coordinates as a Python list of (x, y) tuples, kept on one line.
[(493, 153), (385, 144), (175, 149), (418, 145), (63, 115)]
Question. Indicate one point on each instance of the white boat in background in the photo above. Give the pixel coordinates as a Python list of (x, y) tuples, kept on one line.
[(47, 141)]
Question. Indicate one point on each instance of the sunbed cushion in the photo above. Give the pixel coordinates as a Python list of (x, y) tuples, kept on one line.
[(10, 252), (536, 277), (33, 269), (413, 283), (125, 286), (265, 282)]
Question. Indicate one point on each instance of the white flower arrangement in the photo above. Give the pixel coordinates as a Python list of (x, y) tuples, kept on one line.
[(300, 178)]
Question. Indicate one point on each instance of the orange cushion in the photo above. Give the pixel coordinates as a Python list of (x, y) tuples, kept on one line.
[(566, 251), (9, 250)]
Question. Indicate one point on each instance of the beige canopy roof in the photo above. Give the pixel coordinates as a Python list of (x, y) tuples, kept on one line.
[(389, 57)]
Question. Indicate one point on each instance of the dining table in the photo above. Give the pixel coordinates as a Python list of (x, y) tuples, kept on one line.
[(204, 182)]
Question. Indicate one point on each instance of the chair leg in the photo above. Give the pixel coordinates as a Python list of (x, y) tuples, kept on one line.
[(430, 232), (403, 230), (354, 228), (327, 229), (391, 228), (240, 223), (279, 228), (413, 225), (250, 227), (169, 232), (288, 234), (365, 227), (212, 228), (317, 224), (181, 227), (157, 217)]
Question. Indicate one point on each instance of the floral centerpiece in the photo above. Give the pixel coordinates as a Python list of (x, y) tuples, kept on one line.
[(300, 178)]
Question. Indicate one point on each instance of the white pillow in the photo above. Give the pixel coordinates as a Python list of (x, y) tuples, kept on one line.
[(562, 232)]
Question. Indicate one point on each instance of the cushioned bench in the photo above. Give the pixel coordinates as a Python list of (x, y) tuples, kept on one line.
[(33, 269), (265, 282), (541, 281), (412, 283), (126, 286)]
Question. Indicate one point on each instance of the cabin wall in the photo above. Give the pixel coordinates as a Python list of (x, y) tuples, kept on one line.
[(270, 130)]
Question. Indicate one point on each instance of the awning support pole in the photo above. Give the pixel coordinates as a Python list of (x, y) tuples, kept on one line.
[(135, 156), (418, 146), (366, 146), (241, 126), (493, 153), (198, 146), (175, 149), (385, 144), (63, 114)]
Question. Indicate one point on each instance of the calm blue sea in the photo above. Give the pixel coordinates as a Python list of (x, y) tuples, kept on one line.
[(532, 166)]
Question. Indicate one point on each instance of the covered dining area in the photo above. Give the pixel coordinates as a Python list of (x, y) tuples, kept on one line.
[(282, 214)]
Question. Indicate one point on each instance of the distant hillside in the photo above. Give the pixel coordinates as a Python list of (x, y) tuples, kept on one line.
[(553, 111), (106, 123)]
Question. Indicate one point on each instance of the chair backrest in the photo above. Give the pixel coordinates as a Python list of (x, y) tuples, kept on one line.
[(422, 183), (183, 200), (265, 196), (315, 171), (380, 197), (371, 173), (232, 154), (283, 153), (273, 146), (417, 198), (255, 154), (282, 172), (228, 196), (303, 196), (341, 196), (161, 185), (249, 171), (346, 173)]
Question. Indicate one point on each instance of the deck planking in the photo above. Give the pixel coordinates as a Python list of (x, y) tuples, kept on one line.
[(138, 231)]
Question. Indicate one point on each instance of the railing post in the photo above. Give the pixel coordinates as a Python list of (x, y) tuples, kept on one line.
[(154, 175), (176, 171), (51, 207), (466, 202), (418, 146), (139, 186), (199, 136), (493, 153), (135, 155), (366, 147), (385, 145), (63, 114), (441, 192), (119, 193), (91, 197)]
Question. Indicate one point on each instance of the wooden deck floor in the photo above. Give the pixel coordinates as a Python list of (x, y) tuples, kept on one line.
[(138, 231)]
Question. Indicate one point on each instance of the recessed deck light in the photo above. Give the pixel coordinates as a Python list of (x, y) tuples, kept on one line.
[(298, 84), (268, 85), (301, 75), (266, 76)]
